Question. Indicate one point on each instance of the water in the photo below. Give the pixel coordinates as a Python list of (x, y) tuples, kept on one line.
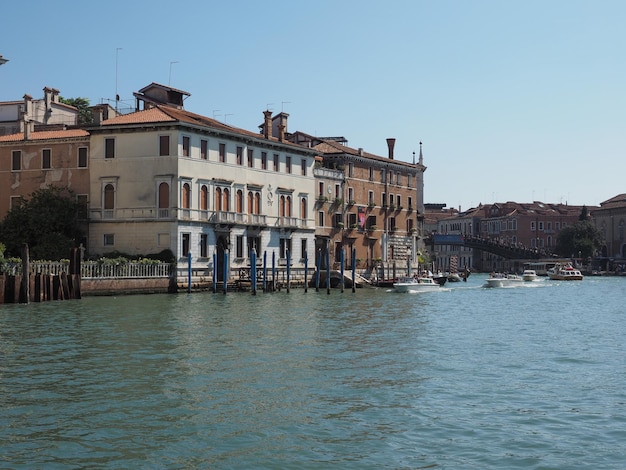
[(468, 378)]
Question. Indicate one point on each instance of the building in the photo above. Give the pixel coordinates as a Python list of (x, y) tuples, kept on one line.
[(164, 178), (452, 258), (41, 149), (610, 220), (366, 203)]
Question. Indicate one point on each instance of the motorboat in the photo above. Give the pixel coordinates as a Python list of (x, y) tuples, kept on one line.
[(416, 284), (529, 275), (503, 280), (565, 273)]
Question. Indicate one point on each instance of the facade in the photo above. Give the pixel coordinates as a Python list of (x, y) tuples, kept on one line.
[(366, 202), (610, 220), (452, 258), (163, 178)]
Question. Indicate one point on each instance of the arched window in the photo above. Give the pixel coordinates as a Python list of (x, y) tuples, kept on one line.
[(288, 206), (204, 197), (164, 200), (218, 199), (250, 202), (109, 201), (226, 200), (257, 203), (186, 196), (303, 208), (239, 201), (282, 206)]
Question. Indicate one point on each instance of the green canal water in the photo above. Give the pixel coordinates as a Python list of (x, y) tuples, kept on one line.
[(532, 377)]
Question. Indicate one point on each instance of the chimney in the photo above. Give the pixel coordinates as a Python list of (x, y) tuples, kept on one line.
[(360, 151), (267, 127), (390, 143), (28, 128), (281, 132)]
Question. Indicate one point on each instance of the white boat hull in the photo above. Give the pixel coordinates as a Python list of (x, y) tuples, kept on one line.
[(416, 285), (504, 281)]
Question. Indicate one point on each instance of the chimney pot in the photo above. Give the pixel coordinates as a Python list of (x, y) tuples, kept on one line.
[(390, 144)]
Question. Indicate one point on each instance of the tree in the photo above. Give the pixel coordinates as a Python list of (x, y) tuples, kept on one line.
[(581, 239), (48, 222), (85, 114)]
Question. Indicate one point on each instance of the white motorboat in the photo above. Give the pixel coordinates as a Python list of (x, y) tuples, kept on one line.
[(529, 275), (503, 280), (416, 284), (565, 273)]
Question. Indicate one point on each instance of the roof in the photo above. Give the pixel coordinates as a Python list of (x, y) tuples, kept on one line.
[(616, 202), (162, 113), (45, 135), (329, 147)]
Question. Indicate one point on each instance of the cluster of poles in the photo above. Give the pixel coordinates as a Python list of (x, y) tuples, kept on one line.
[(265, 285)]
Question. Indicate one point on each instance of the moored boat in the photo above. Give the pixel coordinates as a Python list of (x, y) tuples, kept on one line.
[(565, 273)]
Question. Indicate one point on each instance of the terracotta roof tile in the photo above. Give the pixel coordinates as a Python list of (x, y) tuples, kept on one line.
[(139, 117), (45, 135)]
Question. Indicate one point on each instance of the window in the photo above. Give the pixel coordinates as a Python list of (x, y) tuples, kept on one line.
[(398, 201), (204, 149), (532, 225), (321, 188), (288, 164), (222, 153), (164, 200), (370, 197), (285, 206), (239, 246), (16, 162), (186, 199), (303, 250), (82, 201), (82, 157), (239, 201), (186, 146), (350, 195), (109, 148), (239, 155), (16, 201), (410, 202), (303, 208), (276, 162), (338, 220), (303, 167), (383, 199), (392, 223), (383, 176), (250, 158), (371, 177), (371, 221), (409, 180), (109, 239), (320, 218), (264, 160), (285, 245), (109, 201), (204, 200), (541, 225), (351, 169), (253, 244), (46, 158), (164, 145), (352, 220), (204, 243), (186, 244), (337, 191)]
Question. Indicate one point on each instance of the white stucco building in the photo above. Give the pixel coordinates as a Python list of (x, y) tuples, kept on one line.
[(163, 178)]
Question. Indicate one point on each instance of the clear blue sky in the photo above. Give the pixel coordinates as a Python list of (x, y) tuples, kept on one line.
[(513, 100)]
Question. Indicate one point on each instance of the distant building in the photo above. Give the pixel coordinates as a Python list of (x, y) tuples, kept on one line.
[(610, 220)]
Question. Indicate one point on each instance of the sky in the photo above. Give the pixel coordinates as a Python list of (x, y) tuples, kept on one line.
[(513, 100)]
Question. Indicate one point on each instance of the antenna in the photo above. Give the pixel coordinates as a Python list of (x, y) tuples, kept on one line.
[(171, 63), (225, 115), (268, 106), (282, 105), (215, 115), (117, 97)]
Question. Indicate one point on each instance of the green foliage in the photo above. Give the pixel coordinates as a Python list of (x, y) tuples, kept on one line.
[(48, 222), (582, 239), (85, 114), (584, 214)]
